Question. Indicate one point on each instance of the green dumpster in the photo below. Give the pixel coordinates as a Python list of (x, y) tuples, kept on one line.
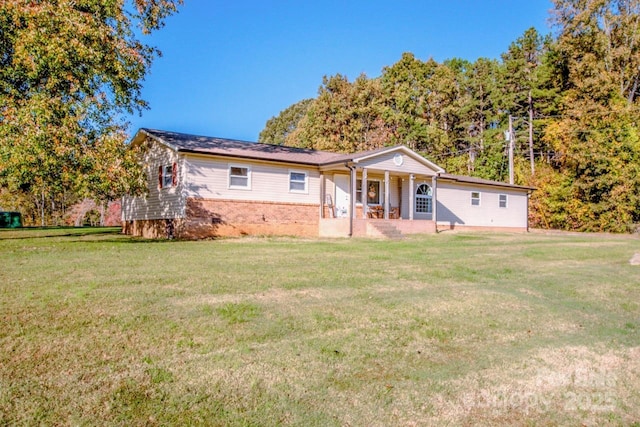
[(10, 220)]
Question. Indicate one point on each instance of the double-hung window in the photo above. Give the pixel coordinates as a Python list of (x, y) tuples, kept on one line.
[(168, 175), (297, 182), (239, 177), (502, 201), (475, 198)]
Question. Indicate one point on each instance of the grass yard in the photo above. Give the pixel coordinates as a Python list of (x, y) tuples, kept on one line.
[(447, 329)]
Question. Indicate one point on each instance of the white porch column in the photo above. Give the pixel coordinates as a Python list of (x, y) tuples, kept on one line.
[(363, 195), (386, 194), (323, 193), (352, 193), (412, 197), (434, 198)]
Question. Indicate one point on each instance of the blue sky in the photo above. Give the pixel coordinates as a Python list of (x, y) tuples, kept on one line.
[(228, 66)]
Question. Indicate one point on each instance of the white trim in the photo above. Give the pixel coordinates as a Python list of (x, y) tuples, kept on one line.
[(407, 151), (506, 201), (425, 197), (306, 181), (380, 191), (241, 166), (479, 198), (167, 176)]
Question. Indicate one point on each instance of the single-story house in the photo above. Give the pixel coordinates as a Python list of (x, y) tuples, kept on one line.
[(202, 187)]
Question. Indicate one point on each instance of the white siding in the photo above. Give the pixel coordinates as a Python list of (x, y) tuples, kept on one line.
[(454, 206), (394, 192), (159, 203), (209, 178)]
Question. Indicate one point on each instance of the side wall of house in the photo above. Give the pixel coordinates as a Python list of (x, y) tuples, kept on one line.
[(266, 206), (208, 178), (158, 203), (455, 208)]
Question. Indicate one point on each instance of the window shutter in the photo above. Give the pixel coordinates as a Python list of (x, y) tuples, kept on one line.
[(159, 176), (174, 174)]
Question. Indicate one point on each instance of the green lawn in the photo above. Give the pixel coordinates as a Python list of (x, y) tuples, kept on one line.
[(447, 329)]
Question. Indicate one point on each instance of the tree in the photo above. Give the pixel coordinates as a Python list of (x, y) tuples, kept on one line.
[(279, 127), (68, 69), (597, 137), (407, 113), (345, 117), (607, 32), (527, 84)]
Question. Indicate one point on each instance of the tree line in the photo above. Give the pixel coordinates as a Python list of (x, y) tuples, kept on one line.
[(572, 98)]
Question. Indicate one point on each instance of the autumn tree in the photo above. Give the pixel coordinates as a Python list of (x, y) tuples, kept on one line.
[(597, 135), (68, 70), (279, 127), (345, 117)]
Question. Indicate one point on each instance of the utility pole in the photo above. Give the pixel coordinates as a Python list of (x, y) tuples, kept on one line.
[(531, 155), (511, 143)]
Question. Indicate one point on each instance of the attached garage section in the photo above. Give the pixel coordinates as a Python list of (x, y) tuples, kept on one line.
[(468, 203)]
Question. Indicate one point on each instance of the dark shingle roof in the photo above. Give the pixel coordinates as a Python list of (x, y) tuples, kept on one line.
[(480, 181), (252, 150)]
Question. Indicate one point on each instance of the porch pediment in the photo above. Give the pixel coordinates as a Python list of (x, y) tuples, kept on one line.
[(399, 159)]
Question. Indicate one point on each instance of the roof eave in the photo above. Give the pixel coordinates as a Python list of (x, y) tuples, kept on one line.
[(462, 179), (247, 157), (143, 134)]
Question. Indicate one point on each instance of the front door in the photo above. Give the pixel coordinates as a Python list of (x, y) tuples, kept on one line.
[(342, 196)]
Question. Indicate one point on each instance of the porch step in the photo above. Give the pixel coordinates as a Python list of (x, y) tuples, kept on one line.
[(384, 229)]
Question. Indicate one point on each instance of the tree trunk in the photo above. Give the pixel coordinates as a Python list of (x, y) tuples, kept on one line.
[(102, 214), (42, 222)]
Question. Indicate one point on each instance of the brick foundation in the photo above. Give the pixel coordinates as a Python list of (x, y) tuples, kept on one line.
[(207, 218)]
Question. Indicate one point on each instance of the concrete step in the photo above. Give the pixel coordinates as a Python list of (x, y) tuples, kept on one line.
[(383, 229)]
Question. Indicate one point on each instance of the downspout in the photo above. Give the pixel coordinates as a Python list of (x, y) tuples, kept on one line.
[(352, 171)]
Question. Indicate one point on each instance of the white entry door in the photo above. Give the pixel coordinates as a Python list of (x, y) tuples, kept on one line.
[(342, 196)]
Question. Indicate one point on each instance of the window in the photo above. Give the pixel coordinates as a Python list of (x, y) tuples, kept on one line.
[(502, 202), (168, 175), (475, 198), (424, 199), (298, 182), (373, 192), (239, 177)]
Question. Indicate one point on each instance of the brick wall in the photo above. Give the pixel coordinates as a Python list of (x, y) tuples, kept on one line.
[(214, 218)]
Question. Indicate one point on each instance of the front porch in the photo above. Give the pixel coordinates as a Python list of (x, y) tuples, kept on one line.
[(383, 193), (382, 228)]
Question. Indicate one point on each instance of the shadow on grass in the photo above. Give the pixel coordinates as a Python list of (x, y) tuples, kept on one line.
[(48, 232), (124, 239)]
